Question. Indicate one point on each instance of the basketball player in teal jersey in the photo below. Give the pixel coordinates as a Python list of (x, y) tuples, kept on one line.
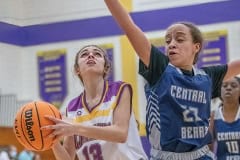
[(104, 126), (226, 128), (178, 94)]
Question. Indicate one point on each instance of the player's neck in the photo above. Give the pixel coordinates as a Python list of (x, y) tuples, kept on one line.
[(230, 106), (94, 89), (230, 111)]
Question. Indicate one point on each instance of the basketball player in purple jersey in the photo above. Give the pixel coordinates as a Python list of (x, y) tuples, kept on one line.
[(104, 126)]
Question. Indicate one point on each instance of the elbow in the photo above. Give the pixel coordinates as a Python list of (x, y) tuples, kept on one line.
[(122, 138)]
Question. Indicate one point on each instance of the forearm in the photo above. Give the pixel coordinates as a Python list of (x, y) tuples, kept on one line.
[(120, 14), (233, 69), (136, 36), (111, 133), (59, 152)]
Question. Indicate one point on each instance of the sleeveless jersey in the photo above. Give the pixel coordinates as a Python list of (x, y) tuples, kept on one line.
[(178, 111), (102, 115), (227, 136)]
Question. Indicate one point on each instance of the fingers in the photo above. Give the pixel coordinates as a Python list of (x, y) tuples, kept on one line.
[(56, 132), (59, 129), (52, 127), (49, 127), (56, 120)]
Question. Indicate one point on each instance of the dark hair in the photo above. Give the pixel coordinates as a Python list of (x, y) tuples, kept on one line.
[(238, 79), (197, 37), (107, 65)]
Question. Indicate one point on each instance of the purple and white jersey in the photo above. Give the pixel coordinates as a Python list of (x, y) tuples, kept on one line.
[(102, 115)]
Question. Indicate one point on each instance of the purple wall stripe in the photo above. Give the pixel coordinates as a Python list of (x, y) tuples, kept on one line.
[(11, 34), (216, 12), (71, 30)]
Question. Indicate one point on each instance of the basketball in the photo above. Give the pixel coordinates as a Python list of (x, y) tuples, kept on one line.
[(28, 122)]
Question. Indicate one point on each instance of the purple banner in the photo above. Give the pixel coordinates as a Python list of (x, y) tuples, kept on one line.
[(52, 76), (109, 50), (215, 50)]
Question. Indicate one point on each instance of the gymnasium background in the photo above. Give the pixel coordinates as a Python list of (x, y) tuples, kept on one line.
[(39, 39)]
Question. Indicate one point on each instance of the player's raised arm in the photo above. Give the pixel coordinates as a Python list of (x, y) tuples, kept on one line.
[(233, 69), (135, 35)]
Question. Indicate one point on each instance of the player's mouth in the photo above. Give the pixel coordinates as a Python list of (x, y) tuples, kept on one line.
[(91, 62), (171, 53), (228, 94)]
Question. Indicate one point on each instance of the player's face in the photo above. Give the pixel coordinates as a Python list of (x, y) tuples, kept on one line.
[(230, 90), (91, 61), (180, 47)]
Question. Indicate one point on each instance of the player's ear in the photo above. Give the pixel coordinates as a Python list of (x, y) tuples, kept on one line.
[(106, 69), (197, 47), (77, 70)]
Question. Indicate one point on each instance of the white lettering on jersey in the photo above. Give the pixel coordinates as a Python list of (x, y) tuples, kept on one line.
[(188, 94), (224, 136), (193, 132)]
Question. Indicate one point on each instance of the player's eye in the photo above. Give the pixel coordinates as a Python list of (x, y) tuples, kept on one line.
[(234, 85), (84, 54), (168, 41), (224, 85), (97, 54), (180, 40)]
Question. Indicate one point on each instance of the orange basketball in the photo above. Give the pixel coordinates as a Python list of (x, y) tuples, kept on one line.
[(28, 122)]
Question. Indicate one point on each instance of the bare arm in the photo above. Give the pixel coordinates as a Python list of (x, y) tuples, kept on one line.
[(233, 69), (65, 151), (211, 130), (117, 132), (135, 35)]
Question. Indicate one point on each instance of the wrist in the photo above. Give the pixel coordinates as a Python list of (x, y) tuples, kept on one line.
[(56, 145)]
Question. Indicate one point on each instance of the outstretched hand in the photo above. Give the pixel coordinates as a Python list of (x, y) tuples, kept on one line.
[(60, 129)]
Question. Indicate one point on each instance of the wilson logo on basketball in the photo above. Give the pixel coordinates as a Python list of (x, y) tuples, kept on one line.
[(29, 123)]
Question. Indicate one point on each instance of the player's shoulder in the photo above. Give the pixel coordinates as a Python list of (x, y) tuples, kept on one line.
[(217, 69), (117, 84), (216, 113), (73, 103), (115, 87)]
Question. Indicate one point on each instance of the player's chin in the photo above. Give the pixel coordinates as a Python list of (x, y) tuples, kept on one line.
[(175, 62)]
